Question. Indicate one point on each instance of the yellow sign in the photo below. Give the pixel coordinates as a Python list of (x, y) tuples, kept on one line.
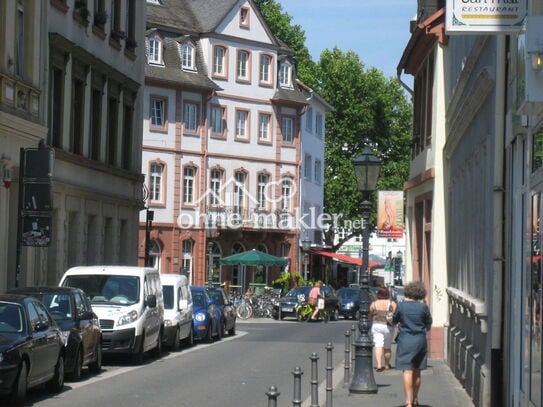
[(390, 214)]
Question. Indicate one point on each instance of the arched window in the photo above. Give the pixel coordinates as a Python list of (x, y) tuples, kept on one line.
[(154, 51), (187, 56)]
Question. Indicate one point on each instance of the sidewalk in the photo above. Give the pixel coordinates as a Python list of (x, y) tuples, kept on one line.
[(439, 388)]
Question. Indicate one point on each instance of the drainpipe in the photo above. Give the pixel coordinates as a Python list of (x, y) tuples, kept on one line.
[(499, 196), (404, 85)]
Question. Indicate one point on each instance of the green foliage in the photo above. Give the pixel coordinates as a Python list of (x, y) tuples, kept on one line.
[(288, 280)]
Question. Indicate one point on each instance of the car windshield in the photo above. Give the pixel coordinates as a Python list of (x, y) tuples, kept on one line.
[(107, 289), (198, 298), (295, 292), (59, 305), (167, 293), (216, 295), (349, 294), (11, 318)]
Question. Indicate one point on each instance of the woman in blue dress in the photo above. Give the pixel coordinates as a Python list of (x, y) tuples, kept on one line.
[(414, 319)]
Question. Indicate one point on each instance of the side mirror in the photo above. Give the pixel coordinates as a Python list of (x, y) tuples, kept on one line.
[(151, 301), (212, 301), (183, 304), (41, 326)]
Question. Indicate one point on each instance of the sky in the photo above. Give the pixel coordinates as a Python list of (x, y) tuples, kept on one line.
[(377, 30)]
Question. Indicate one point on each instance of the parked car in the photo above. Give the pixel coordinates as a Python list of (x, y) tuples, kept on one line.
[(228, 312), (285, 306), (31, 347), (72, 311), (207, 316), (349, 302), (178, 311), (128, 300)]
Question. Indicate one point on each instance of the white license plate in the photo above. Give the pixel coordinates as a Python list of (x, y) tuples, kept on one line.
[(287, 309)]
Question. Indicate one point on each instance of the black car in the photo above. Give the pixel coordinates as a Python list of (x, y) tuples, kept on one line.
[(31, 347), (80, 326), (228, 312), (349, 302), (285, 306)]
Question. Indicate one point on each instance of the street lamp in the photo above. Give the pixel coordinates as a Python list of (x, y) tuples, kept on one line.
[(366, 169), (306, 245), (210, 263)]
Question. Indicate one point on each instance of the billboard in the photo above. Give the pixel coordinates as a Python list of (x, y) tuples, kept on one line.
[(390, 219), (472, 16)]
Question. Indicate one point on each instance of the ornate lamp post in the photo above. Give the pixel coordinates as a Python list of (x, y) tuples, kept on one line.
[(366, 168), (306, 245)]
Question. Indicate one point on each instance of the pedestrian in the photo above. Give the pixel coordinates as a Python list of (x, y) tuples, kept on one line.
[(314, 296), (381, 331), (414, 319)]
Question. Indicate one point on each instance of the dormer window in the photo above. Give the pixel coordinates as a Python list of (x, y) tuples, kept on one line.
[(285, 79), (154, 52), (187, 56), (244, 17)]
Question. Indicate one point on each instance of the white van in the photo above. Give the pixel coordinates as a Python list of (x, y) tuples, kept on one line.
[(177, 311), (128, 302)]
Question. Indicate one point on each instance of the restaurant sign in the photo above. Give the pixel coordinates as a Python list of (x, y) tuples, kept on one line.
[(472, 16)]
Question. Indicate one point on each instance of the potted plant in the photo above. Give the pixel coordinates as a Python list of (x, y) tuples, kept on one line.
[(100, 18), (131, 43), (118, 35)]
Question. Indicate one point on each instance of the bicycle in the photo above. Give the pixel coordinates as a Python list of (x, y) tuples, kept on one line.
[(304, 310)]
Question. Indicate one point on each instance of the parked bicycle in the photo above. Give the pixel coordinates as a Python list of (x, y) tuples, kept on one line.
[(254, 307)]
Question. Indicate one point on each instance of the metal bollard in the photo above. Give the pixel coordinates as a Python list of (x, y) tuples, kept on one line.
[(329, 369), (353, 340), (272, 394), (314, 380), (297, 402), (347, 361)]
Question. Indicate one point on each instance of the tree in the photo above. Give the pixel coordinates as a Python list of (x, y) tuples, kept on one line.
[(367, 106)]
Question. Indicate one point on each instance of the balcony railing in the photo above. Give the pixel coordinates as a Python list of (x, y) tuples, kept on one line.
[(224, 217)]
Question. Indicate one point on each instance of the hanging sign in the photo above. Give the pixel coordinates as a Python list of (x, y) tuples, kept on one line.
[(390, 214), (471, 16)]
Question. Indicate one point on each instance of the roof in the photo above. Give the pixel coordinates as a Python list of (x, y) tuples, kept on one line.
[(43, 289), (110, 270)]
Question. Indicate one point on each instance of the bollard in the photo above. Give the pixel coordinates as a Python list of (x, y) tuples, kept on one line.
[(329, 369), (353, 340), (314, 380), (347, 361), (297, 402), (272, 394)]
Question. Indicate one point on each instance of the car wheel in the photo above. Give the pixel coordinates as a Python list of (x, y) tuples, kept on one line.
[(75, 374), (19, 389), (176, 340), (137, 358), (232, 331), (96, 366), (56, 384), (189, 341), (157, 350), (209, 334)]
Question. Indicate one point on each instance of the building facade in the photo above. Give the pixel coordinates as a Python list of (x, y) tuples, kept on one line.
[(72, 78), (223, 150)]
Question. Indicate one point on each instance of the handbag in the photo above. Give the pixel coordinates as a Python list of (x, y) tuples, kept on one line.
[(390, 315)]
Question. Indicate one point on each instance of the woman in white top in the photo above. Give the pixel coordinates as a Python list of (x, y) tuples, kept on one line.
[(381, 331)]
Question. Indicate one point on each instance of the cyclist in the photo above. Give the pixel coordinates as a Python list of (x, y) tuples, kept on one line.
[(314, 296)]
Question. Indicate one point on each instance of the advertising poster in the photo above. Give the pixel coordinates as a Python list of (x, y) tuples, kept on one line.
[(390, 214)]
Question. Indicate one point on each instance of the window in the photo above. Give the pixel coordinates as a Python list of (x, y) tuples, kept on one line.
[(112, 126), (155, 182), (287, 129), (158, 110), (215, 187), (20, 40), (265, 69), (188, 185), (422, 106), (264, 120), (244, 17), (286, 194), (242, 117), (154, 53), (319, 126), (78, 115), (239, 191), (219, 61), (261, 190), (318, 172), (308, 166), (217, 120), (56, 112), (242, 71), (190, 117), (186, 265), (187, 56), (284, 75), (130, 24), (309, 120)]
